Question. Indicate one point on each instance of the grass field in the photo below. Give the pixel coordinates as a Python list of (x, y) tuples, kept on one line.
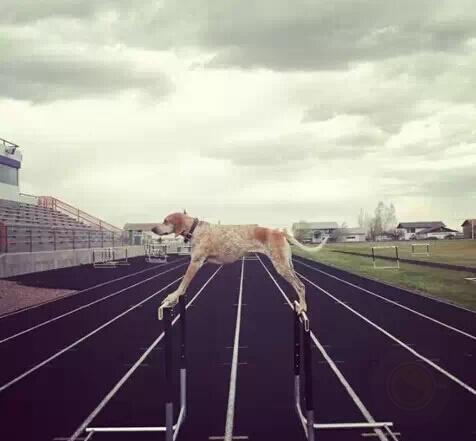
[(447, 285), (456, 252)]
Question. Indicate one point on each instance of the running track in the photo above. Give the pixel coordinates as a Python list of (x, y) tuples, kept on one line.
[(380, 353)]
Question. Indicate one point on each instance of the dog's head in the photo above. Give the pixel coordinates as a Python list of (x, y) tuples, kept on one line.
[(174, 223)]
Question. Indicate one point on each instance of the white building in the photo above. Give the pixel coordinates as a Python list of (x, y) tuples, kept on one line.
[(436, 233), (313, 232), (350, 235), (410, 229)]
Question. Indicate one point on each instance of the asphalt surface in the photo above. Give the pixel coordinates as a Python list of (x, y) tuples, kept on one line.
[(93, 338)]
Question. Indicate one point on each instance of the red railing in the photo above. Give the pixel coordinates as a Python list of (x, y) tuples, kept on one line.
[(75, 213)]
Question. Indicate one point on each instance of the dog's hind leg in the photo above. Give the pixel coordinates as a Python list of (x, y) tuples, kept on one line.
[(283, 265)]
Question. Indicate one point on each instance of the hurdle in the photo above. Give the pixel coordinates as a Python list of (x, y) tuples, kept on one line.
[(156, 253), (397, 266), (184, 250), (302, 349), (423, 253), (104, 258), (171, 430)]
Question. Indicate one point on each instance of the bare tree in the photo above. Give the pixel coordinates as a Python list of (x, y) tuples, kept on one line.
[(383, 221)]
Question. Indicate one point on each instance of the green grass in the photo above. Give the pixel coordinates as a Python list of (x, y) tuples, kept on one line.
[(455, 252), (447, 285)]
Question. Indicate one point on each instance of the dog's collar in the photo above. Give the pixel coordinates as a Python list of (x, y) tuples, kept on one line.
[(188, 235)]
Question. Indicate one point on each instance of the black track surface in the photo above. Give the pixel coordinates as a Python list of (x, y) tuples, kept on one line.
[(393, 384)]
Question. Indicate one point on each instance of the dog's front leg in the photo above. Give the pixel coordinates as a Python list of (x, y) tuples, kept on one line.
[(192, 269)]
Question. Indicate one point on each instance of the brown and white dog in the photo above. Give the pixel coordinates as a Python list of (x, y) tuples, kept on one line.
[(223, 244)]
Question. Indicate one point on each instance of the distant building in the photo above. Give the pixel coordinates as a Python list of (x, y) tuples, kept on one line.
[(387, 237), (409, 229), (350, 235), (313, 232), (140, 234), (469, 228), (436, 233)]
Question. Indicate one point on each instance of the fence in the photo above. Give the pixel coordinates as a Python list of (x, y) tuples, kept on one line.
[(17, 239)]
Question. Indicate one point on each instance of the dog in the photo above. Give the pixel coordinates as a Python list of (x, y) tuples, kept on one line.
[(222, 244)]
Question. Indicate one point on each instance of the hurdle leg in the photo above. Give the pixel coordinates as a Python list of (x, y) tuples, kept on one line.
[(169, 406), (308, 382)]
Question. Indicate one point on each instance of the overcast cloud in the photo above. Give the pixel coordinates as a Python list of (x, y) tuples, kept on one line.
[(267, 112)]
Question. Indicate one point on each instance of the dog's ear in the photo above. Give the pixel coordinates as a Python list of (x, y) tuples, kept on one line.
[(179, 223)]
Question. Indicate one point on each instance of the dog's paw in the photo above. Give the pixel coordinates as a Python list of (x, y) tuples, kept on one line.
[(171, 299)]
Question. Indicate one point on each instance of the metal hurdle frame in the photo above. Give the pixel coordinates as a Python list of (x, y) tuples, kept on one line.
[(425, 253), (151, 257), (171, 430), (386, 267), (184, 250), (107, 260), (302, 344)]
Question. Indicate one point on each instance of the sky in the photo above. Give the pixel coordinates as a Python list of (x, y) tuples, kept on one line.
[(265, 112)]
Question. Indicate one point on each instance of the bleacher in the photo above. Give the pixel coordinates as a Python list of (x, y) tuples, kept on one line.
[(27, 228)]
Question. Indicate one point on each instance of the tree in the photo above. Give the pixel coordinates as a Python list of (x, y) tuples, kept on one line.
[(383, 221)]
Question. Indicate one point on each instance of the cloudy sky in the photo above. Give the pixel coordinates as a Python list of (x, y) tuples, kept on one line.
[(263, 112)]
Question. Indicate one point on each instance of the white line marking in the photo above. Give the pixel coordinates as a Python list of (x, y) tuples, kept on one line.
[(25, 374), (335, 369), (471, 279), (121, 382), (230, 413), (27, 308), (445, 302), (393, 303), (395, 339), (18, 334)]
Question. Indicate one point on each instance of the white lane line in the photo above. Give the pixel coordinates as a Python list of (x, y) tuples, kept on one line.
[(396, 340), (9, 314), (459, 331), (113, 391), (18, 334), (445, 302), (335, 369), (38, 366), (230, 413)]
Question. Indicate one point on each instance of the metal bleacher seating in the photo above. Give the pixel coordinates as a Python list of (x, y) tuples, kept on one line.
[(27, 228)]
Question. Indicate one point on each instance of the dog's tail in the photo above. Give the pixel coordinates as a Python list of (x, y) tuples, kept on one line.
[(312, 250)]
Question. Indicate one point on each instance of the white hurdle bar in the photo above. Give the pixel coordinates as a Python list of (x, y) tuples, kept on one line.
[(106, 258), (302, 343), (156, 253), (424, 253), (171, 430), (386, 267)]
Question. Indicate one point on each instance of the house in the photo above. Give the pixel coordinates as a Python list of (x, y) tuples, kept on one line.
[(387, 236), (436, 233), (408, 230), (313, 232), (469, 228), (139, 234), (350, 235)]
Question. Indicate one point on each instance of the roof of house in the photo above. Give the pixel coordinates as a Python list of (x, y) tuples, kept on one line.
[(468, 222), (353, 231), (434, 229), (315, 225), (387, 233), (139, 227), (431, 224)]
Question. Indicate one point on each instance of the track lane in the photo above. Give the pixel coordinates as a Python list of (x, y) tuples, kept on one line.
[(54, 399), (454, 315), (14, 323), (452, 351), (395, 381)]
